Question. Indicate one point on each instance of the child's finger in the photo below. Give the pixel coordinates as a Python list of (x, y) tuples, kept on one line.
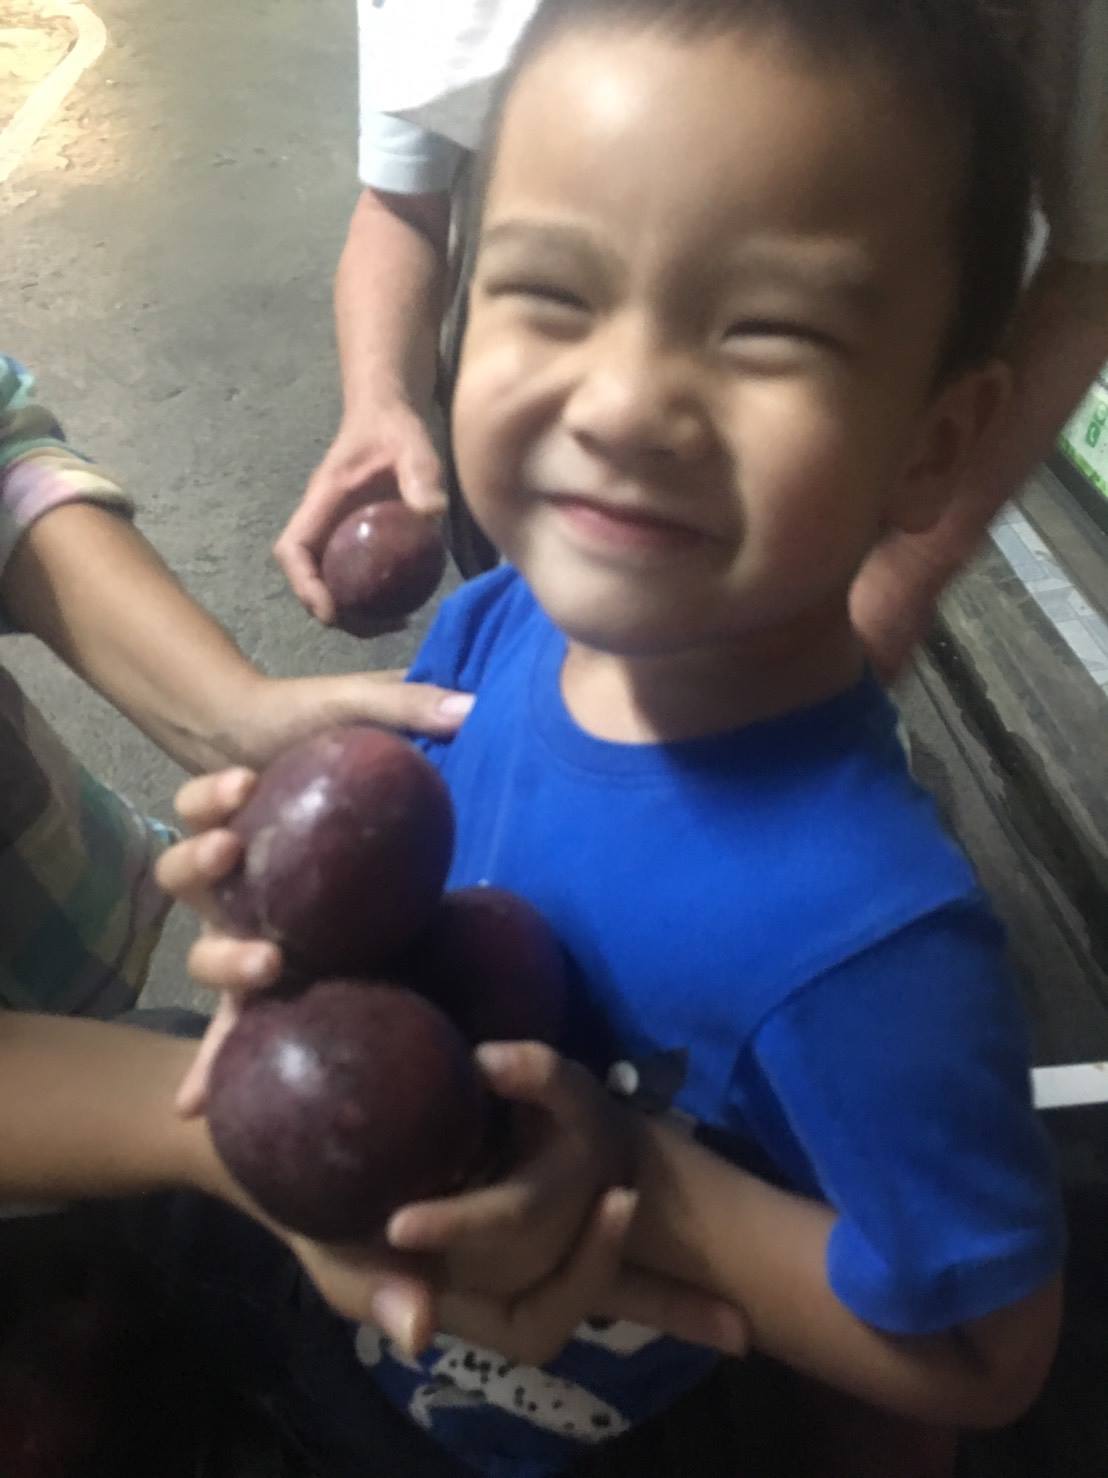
[(192, 1095), (537, 1326), (211, 800), (406, 1314), (367, 1284), (581, 1284), (531, 1072), (190, 870), (677, 1309), (222, 962), (482, 1217)]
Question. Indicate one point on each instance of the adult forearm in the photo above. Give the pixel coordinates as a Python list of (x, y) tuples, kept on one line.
[(87, 1111), (88, 584), (1060, 343), (389, 296), (765, 1250)]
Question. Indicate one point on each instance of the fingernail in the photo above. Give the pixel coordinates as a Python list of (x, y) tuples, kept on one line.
[(258, 962), (394, 1313), (494, 1057), (394, 1229), (212, 852), (622, 1204), (432, 501), (456, 705), (234, 781)]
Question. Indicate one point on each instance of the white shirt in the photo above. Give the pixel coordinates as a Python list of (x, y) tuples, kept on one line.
[(428, 71), (427, 74)]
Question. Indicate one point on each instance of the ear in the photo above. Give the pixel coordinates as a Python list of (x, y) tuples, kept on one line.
[(963, 417)]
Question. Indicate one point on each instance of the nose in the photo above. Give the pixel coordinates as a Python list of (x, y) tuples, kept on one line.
[(634, 399)]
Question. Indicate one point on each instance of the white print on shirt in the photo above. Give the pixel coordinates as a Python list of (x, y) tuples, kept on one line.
[(467, 1375)]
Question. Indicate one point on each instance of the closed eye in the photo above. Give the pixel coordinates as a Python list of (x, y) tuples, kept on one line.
[(782, 329), (539, 292)]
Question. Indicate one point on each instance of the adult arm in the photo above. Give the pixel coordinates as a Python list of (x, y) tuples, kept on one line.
[(389, 297), (87, 583), (389, 292), (1060, 342), (87, 1109)]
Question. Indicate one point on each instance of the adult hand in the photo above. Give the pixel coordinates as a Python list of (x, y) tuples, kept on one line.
[(190, 873), (276, 712), (446, 1277), (408, 1302), (390, 456), (568, 1143), (895, 597), (512, 1239)]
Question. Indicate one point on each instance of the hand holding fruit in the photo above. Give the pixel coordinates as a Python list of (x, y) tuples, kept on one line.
[(513, 1236), (271, 713), (335, 1102), (390, 455), (373, 1284), (570, 1142)]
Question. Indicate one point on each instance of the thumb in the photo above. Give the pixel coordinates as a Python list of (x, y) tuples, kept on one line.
[(415, 708), (193, 1092), (420, 478)]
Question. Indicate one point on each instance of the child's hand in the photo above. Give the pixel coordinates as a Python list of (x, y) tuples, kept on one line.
[(570, 1144), (399, 1294), (189, 872), (503, 1249)]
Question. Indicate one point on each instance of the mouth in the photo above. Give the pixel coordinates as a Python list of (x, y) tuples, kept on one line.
[(618, 526)]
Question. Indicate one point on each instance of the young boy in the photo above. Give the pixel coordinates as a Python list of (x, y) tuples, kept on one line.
[(744, 267)]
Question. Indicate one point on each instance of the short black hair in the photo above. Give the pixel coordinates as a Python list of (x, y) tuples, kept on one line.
[(948, 54)]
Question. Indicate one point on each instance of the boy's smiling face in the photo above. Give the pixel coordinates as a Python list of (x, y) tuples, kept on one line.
[(711, 293)]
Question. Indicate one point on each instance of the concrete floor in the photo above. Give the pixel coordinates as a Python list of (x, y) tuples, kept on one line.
[(169, 245)]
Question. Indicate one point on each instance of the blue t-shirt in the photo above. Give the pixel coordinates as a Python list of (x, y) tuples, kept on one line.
[(778, 911)]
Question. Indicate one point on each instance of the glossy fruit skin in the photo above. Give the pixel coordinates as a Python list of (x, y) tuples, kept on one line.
[(335, 1105), (381, 563), (490, 960), (348, 838)]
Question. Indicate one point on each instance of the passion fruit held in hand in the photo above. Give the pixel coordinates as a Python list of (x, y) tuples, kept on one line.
[(335, 1105), (347, 842), (381, 563)]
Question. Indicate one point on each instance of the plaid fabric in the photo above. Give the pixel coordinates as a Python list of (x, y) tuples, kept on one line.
[(80, 911)]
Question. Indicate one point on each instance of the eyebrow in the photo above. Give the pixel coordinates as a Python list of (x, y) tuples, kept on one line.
[(563, 234), (782, 263), (832, 271)]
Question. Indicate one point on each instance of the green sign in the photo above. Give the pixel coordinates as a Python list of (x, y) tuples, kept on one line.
[(1085, 440)]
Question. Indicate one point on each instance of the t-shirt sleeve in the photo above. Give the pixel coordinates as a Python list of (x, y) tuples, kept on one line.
[(398, 156), (903, 1079), (39, 470), (435, 68)]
